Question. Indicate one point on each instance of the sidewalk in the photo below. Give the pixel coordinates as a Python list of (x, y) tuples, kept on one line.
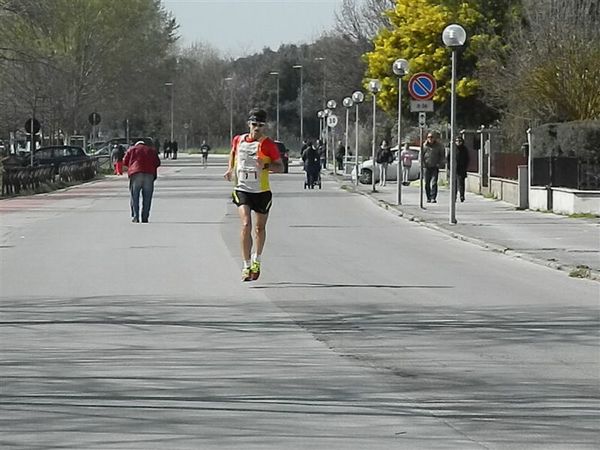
[(561, 242)]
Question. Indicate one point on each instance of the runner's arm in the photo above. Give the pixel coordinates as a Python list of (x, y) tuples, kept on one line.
[(231, 164), (274, 166)]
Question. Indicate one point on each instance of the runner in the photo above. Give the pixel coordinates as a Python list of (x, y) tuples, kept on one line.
[(253, 155), (204, 149)]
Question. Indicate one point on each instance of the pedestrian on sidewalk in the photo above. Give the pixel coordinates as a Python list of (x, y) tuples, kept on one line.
[(142, 162), (433, 159), (340, 152), (384, 157), (117, 155), (462, 163), (406, 158), (305, 144), (321, 148), (253, 155)]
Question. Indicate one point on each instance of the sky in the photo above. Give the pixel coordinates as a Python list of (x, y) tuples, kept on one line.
[(242, 27)]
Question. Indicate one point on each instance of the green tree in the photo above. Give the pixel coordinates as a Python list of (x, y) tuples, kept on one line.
[(84, 55), (548, 70), (415, 35)]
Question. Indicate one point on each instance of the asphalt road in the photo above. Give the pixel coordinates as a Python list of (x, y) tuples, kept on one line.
[(364, 331)]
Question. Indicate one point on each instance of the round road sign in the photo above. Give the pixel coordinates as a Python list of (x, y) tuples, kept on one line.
[(94, 118), (421, 86), (36, 126), (332, 121)]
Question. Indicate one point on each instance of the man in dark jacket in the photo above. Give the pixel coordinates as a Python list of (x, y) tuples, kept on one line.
[(174, 149), (142, 162), (322, 149), (312, 164), (462, 164), (433, 160), (340, 153)]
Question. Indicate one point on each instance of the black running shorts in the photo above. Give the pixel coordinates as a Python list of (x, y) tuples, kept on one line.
[(257, 201)]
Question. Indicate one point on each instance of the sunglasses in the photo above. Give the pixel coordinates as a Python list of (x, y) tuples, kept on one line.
[(429, 137), (257, 124)]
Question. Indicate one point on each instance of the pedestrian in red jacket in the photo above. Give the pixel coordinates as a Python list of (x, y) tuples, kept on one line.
[(142, 163)]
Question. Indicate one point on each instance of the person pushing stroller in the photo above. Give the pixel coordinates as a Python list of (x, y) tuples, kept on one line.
[(312, 166)]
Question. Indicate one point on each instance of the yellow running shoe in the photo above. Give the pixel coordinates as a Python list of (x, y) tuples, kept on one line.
[(246, 274), (255, 270)]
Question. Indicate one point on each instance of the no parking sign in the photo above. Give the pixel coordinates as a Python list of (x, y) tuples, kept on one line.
[(421, 86)]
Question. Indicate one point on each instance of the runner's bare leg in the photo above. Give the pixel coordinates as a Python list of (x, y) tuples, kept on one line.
[(260, 231), (246, 231)]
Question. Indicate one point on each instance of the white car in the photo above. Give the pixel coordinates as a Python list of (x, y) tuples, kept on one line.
[(366, 168)]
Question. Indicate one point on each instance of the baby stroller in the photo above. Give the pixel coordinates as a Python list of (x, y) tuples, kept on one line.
[(313, 177), (312, 167)]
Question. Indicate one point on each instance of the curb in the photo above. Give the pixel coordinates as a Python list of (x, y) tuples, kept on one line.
[(590, 274)]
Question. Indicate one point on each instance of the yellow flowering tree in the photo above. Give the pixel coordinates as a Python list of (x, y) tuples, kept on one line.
[(416, 35)]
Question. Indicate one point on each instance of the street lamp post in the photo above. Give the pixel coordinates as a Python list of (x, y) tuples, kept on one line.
[(357, 97), (454, 37), (320, 115), (322, 61), (374, 88), (332, 104), (299, 66), (400, 68), (170, 83), (326, 114), (230, 79), (277, 74), (186, 126), (347, 102)]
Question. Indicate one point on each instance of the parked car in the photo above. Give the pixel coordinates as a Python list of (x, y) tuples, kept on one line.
[(58, 154), (366, 168), (285, 155)]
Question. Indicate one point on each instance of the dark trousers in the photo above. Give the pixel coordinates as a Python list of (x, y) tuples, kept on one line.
[(431, 182), (312, 175), (460, 185)]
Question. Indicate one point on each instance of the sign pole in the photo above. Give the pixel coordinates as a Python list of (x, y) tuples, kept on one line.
[(32, 142), (398, 162), (421, 168), (421, 88)]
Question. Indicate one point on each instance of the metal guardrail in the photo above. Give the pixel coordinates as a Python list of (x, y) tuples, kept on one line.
[(78, 170), (17, 179)]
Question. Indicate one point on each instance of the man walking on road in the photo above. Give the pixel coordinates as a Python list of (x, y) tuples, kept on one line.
[(433, 159), (142, 162), (253, 155)]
